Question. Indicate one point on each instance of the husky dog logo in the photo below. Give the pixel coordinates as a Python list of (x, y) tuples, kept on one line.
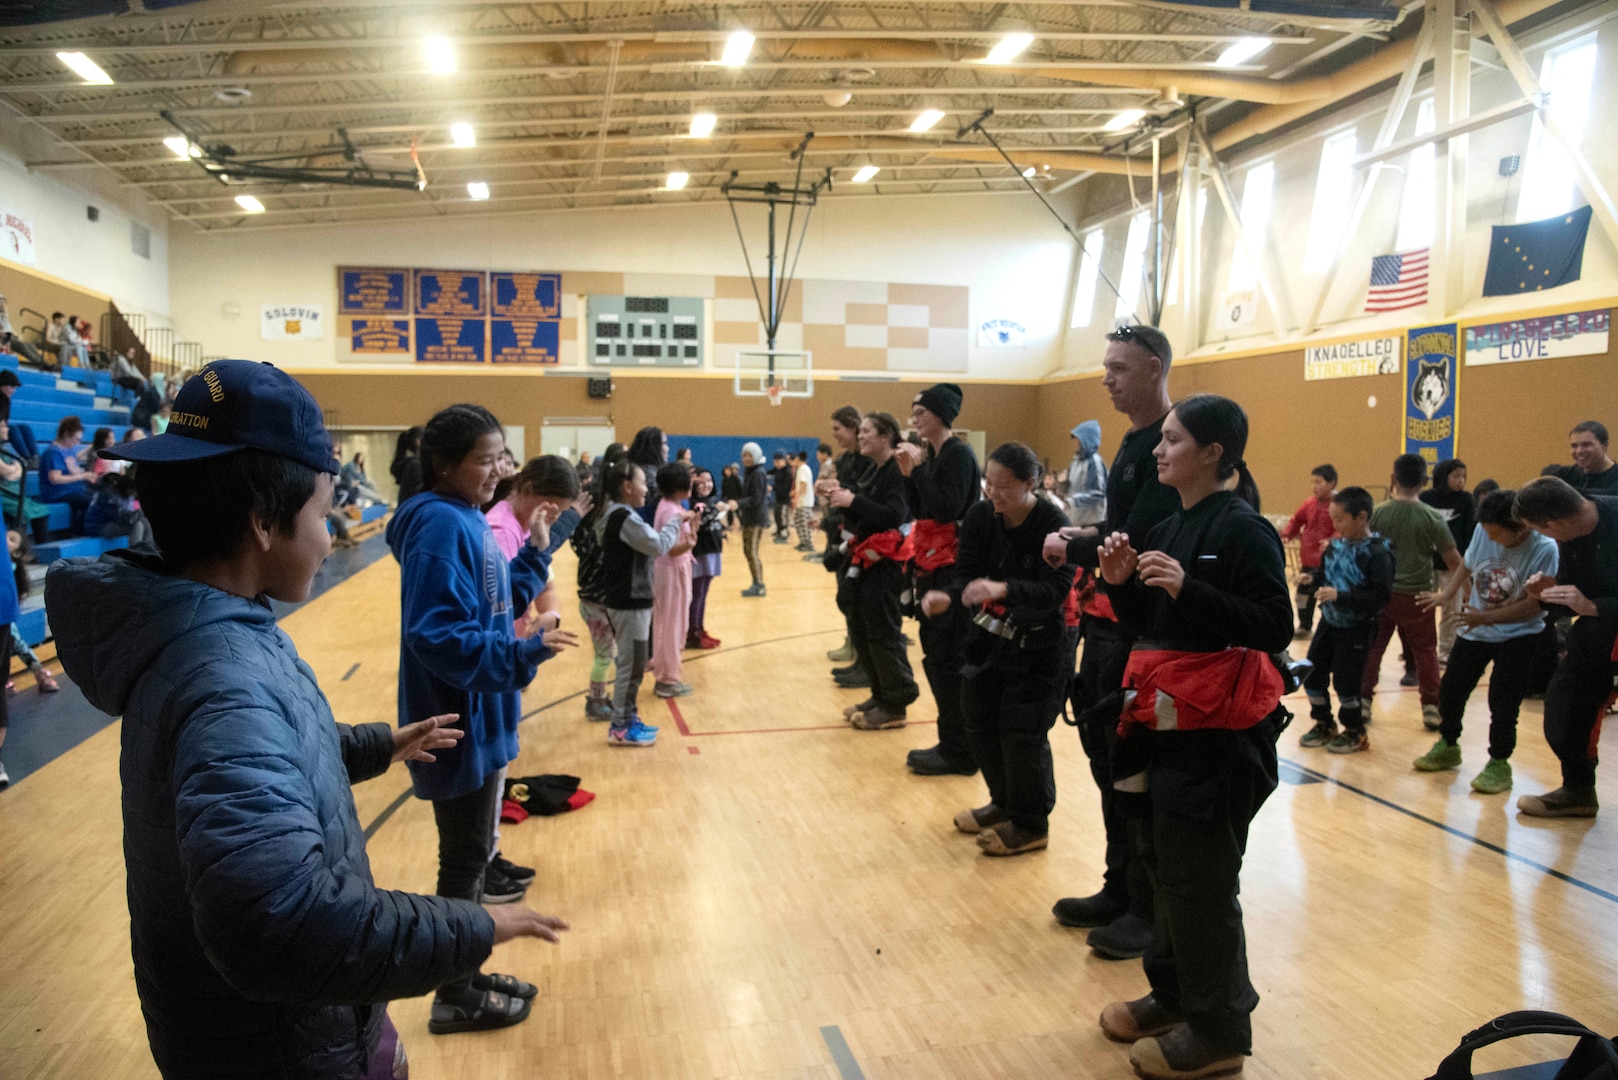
[(1430, 390)]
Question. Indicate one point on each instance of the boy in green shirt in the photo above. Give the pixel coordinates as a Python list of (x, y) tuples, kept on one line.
[(1416, 533)]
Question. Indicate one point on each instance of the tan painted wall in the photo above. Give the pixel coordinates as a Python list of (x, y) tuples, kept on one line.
[(1513, 418)]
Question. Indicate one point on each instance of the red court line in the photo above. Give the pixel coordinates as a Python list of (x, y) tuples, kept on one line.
[(685, 729)]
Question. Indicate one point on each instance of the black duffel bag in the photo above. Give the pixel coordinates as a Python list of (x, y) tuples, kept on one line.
[(1593, 1058)]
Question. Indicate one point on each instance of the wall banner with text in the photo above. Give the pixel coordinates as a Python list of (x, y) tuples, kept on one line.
[(1430, 410), (451, 340), (1353, 359), (378, 336), (1577, 333), (291, 322)]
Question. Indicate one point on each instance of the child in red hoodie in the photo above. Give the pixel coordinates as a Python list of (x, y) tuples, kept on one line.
[(1312, 525)]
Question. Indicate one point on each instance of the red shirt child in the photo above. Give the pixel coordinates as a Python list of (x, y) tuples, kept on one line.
[(1312, 523)]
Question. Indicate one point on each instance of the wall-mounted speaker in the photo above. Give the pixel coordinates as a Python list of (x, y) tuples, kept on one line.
[(599, 388)]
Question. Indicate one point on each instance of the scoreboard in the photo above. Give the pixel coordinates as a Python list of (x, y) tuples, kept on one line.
[(645, 331)]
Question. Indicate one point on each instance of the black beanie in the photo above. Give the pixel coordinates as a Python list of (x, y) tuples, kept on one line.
[(943, 401)]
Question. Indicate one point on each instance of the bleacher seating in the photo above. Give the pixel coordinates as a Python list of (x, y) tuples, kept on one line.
[(41, 402)]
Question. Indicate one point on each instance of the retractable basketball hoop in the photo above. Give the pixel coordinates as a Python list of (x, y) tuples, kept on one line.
[(770, 372)]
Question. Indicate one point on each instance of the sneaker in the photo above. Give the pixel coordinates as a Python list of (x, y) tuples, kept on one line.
[(854, 680), (753, 590), (933, 762), (1430, 718), (842, 655), (708, 641), (499, 889), (984, 817), (1179, 1054), (1409, 679), (1132, 1021), (1349, 742), (634, 733), (806, 548), (1007, 839), (522, 875), (815, 556), (673, 690), (849, 669), (598, 709), (46, 681), (5, 777), (1319, 735), (693, 640), (1495, 777), (1563, 802), (1443, 755)]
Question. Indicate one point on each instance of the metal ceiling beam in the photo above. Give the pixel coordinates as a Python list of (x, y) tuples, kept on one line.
[(551, 71), (367, 44), (694, 94)]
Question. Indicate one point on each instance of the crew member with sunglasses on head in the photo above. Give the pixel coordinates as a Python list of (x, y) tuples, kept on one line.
[(1137, 369)]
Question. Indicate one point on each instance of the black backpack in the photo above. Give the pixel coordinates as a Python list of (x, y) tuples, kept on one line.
[(1594, 1058)]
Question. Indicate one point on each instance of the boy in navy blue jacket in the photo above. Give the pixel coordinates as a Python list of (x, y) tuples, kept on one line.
[(262, 947), (1356, 579)]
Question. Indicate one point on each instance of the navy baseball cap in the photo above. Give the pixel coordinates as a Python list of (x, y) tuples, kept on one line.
[(233, 405)]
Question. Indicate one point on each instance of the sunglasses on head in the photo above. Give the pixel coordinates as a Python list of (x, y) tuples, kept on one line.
[(1133, 334)]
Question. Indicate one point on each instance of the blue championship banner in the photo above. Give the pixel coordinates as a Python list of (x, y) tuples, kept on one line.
[(526, 296), (372, 290), (1430, 374), (525, 341), (454, 341), (450, 292), (379, 336)]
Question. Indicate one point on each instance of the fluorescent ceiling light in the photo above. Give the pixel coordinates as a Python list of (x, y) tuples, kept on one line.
[(1009, 48), (737, 48), (1127, 118), (865, 173), (676, 181), (463, 135), (178, 146), (926, 120), (250, 204), (85, 68), (440, 55), (1028, 172), (478, 189), (1239, 52), (702, 125)]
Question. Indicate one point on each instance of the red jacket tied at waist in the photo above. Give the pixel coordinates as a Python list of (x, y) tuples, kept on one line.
[(934, 544), (888, 544), (1232, 689)]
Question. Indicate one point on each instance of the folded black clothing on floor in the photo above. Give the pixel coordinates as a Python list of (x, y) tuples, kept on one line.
[(542, 795)]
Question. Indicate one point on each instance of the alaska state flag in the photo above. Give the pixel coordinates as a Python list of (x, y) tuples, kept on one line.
[(1536, 255)]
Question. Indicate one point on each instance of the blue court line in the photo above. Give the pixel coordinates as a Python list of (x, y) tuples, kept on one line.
[(841, 1055), (350, 673), (1549, 871)]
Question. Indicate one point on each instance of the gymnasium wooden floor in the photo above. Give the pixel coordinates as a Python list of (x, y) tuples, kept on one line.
[(766, 873)]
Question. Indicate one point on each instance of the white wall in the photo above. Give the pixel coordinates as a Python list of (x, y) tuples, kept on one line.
[(1006, 249), (1492, 200), (95, 255)]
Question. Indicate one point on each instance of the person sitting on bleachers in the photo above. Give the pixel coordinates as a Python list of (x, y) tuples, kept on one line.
[(10, 339), (53, 338), (355, 480), (125, 373), (61, 477), (70, 348), (22, 436), (113, 511), (102, 440), (20, 510), (149, 400)]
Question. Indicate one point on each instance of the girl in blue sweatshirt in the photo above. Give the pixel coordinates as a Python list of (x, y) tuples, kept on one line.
[(459, 653)]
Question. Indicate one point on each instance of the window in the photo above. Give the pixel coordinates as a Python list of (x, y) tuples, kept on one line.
[(1084, 296), (1416, 207), (1172, 297), (1129, 280), (1566, 77), (1255, 212), (1333, 187)]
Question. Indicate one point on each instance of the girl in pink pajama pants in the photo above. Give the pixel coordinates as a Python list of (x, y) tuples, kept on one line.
[(671, 593)]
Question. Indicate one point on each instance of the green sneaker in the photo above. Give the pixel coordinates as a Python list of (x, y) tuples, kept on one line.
[(1443, 755), (1319, 735), (1495, 777), (1349, 742)]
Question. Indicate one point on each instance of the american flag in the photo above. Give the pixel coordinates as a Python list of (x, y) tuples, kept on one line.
[(1397, 281)]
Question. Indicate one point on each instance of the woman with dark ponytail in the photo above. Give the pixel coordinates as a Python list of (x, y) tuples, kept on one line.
[(1207, 603), (1012, 675)]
